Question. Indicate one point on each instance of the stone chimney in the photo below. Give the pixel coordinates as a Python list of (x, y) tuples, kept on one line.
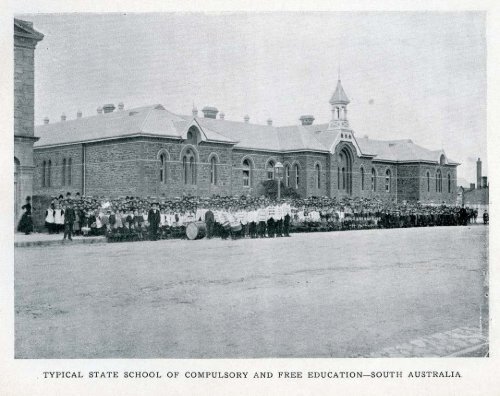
[(121, 106), (307, 119), (194, 111), (99, 110), (79, 114), (108, 108), (209, 112), (479, 172), (63, 117), (46, 120), (269, 121), (484, 182), (246, 118), (221, 116), (472, 186)]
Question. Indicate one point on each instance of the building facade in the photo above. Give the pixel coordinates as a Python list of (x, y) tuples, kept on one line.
[(149, 151), (25, 40)]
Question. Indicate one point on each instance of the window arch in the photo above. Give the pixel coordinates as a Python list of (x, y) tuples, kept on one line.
[(318, 176), (49, 173), (63, 173), (44, 172), (189, 167), (449, 183), (70, 165), (287, 175), (213, 170), (296, 171), (428, 181), (270, 169), (362, 171), (374, 180), (388, 178), (247, 173)]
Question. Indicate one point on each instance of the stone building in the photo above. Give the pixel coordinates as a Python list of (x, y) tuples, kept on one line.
[(25, 40), (477, 196), (149, 151)]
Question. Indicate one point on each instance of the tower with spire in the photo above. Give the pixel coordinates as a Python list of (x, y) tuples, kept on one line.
[(339, 102)]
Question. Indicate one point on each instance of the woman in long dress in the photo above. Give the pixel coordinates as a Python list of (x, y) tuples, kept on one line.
[(26, 222)]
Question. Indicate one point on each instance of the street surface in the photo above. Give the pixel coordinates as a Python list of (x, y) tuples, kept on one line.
[(340, 294)]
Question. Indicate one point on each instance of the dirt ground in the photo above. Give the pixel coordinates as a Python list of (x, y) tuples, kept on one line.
[(339, 294)]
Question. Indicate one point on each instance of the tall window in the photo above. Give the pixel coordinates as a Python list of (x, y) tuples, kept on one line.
[(213, 170), (318, 176), (287, 175), (163, 168), (374, 180), (189, 167), (449, 183), (338, 178), (70, 163), (362, 171), (296, 176), (439, 181), (388, 180), (343, 178), (63, 173), (246, 173), (49, 174), (428, 182), (270, 170), (44, 170)]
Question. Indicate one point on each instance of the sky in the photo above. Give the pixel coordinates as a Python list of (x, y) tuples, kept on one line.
[(419, 76)]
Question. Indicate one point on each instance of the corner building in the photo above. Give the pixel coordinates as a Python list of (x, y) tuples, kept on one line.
[(149, 151)]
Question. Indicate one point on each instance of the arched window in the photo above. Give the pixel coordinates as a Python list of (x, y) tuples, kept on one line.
[(189, 167), (213, 170), (70, 164), (296, 175), (287, 175), (374, 180), (362, 171), (343, 178), (163, 168), (270, 170), (63, 173), (49, 174), (388, 180), (338, 178), (44, 172), (439, 181), (449, 183), (428, 182), (247, 173), (318, 176)]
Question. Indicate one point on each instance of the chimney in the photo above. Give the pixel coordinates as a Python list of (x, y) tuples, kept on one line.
[(246, 118), (108, 108), (209, 112), (484, 182), (195, 111), (121, 106), (472, 186), (478, 163), (46, 120), (99, 110), (79, 114), (307, 119), (221, 116), (63, 117), (269, 121)]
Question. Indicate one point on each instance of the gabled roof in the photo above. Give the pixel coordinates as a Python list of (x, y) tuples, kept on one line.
[(339, 96), (25, 28)]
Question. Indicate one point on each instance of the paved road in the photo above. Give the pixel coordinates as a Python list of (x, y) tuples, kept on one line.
[(340, 294)]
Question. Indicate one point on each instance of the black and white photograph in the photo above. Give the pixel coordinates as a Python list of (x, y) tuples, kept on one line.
[(251, 185)]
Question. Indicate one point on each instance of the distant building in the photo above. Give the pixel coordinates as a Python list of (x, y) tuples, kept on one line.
[(149, 151), (25, 40), (477, 196)]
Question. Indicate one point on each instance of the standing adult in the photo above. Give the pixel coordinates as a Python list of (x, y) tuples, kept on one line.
[(154, 221), (49, 218), (58, 218), (26, 222), (210, 220), (69, 220)]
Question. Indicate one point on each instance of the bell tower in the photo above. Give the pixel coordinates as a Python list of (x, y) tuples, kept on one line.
[(339, 102)]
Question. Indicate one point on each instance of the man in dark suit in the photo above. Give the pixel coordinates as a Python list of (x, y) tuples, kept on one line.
[(154, 221), (69, 219), (210, 220)]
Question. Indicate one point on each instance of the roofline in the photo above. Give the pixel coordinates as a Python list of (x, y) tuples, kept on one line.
[(414, 162)]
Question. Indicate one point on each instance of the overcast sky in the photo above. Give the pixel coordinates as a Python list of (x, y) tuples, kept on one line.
[(409, 75)]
